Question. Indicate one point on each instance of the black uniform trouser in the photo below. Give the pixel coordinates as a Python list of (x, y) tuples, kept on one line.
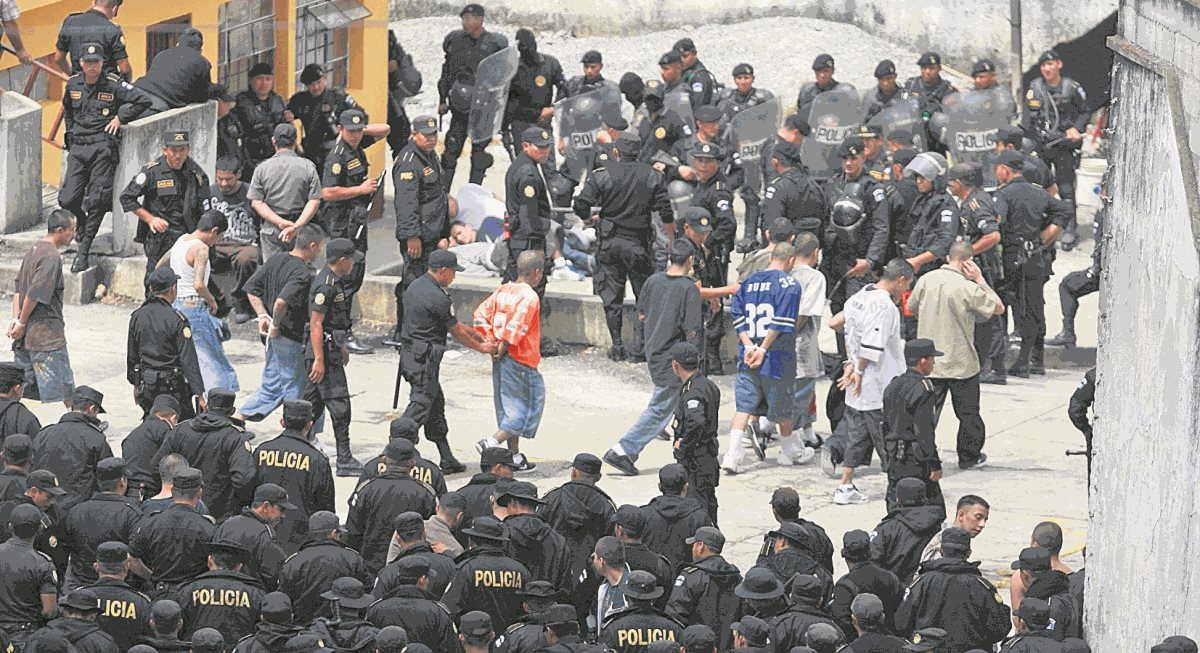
[(332, 393), (157, 245), (152, 383), (397, 120), (703, 475), (748, 191), (420, 364), (1075, 285), (901, 466), (87, 185), (1030, 319), (456, 139), (412, 270), (991, 343), (1063, 162), (964, 396), (621, 258)]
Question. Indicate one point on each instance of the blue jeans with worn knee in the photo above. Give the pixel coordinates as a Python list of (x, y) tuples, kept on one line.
[(282, 377), (215, 367), (654, 420)]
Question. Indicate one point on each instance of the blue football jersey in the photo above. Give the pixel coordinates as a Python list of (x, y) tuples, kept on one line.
[(769, 300)]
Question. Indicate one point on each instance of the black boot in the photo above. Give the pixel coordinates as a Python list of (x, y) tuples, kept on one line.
[(81, 262), (616, 353), (347, 464), (356, 346), (1064, 338), (450, 464)]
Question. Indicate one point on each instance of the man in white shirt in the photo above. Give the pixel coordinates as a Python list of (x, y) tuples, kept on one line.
[(809, 366), (875, 353)]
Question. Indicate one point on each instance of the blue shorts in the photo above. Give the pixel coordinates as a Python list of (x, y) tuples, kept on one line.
[(519, 395), (750, 388), (49, 372)]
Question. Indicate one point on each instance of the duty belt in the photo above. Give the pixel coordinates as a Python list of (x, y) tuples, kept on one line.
[(88, 139)]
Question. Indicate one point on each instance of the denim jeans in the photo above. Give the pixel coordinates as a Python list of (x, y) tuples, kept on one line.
[(519, 394), (214, 366), (282, 377), (653, 421), (573, 252)]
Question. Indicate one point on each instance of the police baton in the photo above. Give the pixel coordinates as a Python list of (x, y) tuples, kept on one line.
[(399, 378), (374, 207), (1076, 452), (838, 285)]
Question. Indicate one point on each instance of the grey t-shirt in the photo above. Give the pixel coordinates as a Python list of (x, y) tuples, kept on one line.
[(41, 278), (671, 307), (285, 182)]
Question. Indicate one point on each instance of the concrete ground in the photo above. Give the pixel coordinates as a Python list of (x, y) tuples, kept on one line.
[(1028, 478)]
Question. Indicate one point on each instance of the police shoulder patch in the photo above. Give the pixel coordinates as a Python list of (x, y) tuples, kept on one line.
[(140, 178), (661, 132), (187, 332), (249, 449), (407, 176), (693, 403), (319, 299), (878, 194), (529, 192), (337, 169), (697, 87), (947, 215)]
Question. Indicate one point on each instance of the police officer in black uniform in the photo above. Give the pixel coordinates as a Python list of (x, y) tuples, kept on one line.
[(410, 606), (791, 193), (659, 129), (226, 597), (978, 226), (1036, 631), (823, 71), (108, 516), (165, 621), (856, 236), (933, 216), (325, 354), (218, 446), (124, 611), (464, 49), (909, 408), (714, 194), (929, 89), (93, 26), (410, 541), (428, 319), (741, 96), (1030, 221), (178, 76), (422, 209), (424, 470), (71, 447), (375, 504), (531, 94), (229, 130), (170, 545), (527, 202), (291, 461), (708, 130), (700, 82), (591, 79), (624, 193), (886, 91), (695, 426), (864, 576), (168, 195), (15, 417), (527, 634), (28, 573), (1080, 283), (322, 559), (160, 357), (1055, 116), (95, 105), (633, 628), (318, 108), (562, 632), (43, 491), (487, 579), (255, 529), (76, 622), (259, 110), (17, 453), (348, 192)]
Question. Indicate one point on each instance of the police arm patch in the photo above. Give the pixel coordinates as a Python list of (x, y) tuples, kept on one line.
[(319, 299), (529, 192)]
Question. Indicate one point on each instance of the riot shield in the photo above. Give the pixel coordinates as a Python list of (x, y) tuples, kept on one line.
[(490, 96), (835, 116), (902, 115), (579, 118), (972, 123), (679, 102), (751, 129)]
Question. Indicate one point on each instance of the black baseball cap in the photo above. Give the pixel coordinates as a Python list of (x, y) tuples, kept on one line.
[(807, 586), (91, 52), (492, 456), (632, 519), (904, 155), (1048, 55), (851, 147), (885, 68), (697, 218), (473, 9), (707, 151), (782, 229), (964, 172), (698, 637), (475, 624), (284, 134), (425, 125), (24, 514), (587, 463), (1010, 135), (537, 136), (756, 631), (18, 449), (272, 493), (560, 613), (188, 478), (408, 523), (400, 450), (177, 137), (539, 589), (823, 62), (708, 536), (798, 123), (983, 66), (352, 119), (787, 152), (926, 639), (11, 373), (856, 545), (297, 409), (110, 469), (391, 639), (261, 68), (444, 258), (930, 59), (521, 490), (786, 498), (166, 614), (82, 599), (743, 69), (302, 643), (46, 481), (112, 553), (955, 538), (1033, 559), (228, 547), (686, 354), (276, 608), (403, 427), (339, 248), (1035, 612), (866, 130), (161, 403), (311, 73), (708, 113), (324, 521), (221, 401), (88, 393), (759, 583), (1012, 159), (669, 57), (672, 477), (592, 56), (791, 531), (920, 348), (910, 492), (162, 279), (210, 640), (684, 45)]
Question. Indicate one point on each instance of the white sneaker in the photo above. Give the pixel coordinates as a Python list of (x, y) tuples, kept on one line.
[(805, 454), (732, 462), (791, 452), (845, 496), (827, 464)]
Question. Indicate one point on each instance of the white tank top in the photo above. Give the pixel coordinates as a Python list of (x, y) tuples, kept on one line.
[(187, 273)]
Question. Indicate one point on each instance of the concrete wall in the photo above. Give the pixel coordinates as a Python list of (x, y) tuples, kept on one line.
[(141, 142), (961, 31), (1143, 502), (20, 152)]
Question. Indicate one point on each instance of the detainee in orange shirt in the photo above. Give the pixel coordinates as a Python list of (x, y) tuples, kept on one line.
[(512, 316)]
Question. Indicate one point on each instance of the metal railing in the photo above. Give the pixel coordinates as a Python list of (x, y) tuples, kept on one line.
[(39, 67)]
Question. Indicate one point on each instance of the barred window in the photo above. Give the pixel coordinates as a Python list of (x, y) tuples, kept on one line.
[(245, 36), (164, 36), (323, 36)]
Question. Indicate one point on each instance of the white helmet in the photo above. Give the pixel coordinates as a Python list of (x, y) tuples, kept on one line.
[(929, 165)]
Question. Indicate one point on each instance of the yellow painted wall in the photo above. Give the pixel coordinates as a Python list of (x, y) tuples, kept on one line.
[(40, 21)]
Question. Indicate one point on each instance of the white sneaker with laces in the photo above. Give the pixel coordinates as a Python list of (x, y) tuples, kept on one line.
[(849, 495), (732, 462), (804, 454)]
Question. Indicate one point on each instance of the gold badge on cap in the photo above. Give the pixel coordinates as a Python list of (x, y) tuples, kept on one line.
[(934, 60), (431, 123), (356, 119), (529, 192), (91, 49), (660, 133), (545, 134), (539, 80), (916, 638), (180, 136)]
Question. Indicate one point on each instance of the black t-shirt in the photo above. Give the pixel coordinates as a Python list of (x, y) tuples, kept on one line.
[(288, 278), (428, 312), (671, 306)]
